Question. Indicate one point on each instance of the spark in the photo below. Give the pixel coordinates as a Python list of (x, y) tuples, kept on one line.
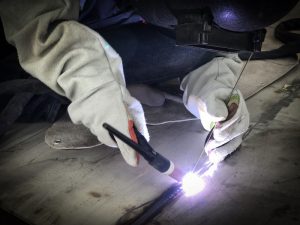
[(192, 184)]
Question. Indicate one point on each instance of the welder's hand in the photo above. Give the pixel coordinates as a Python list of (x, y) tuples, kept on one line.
[(76, 62), (104, 98), (227, 135), (206, 92), (116, 107)]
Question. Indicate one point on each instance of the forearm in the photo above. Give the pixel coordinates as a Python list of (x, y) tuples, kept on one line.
[(76, 62), (65, 55)]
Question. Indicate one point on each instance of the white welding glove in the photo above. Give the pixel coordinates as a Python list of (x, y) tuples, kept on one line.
[(206, 93), (112, 104), (76, 62), (116, 107)]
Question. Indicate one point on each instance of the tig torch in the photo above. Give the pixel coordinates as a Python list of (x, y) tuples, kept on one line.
[(155, 159)]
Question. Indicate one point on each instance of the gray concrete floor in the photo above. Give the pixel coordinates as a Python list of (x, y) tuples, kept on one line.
[(259, 184)]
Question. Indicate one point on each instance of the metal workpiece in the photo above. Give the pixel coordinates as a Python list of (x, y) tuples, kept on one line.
[(170, 195), (167, 197)]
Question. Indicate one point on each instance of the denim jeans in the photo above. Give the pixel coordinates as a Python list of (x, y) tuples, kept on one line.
[(149, 53)]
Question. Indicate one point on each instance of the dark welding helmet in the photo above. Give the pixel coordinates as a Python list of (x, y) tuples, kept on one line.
[(229, 25)]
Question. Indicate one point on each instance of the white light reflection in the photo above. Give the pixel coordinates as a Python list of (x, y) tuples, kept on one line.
[(193, 183), (211, 170)]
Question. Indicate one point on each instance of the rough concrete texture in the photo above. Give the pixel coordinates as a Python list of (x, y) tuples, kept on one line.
[(259, 184)]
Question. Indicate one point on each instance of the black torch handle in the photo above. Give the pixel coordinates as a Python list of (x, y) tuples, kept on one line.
[(155, 159)]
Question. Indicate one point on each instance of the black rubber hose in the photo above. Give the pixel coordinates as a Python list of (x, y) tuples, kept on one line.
[(284, 33)]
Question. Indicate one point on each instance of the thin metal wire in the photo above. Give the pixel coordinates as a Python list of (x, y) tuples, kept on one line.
[(239, 77), (233, 89), (198, 160)]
